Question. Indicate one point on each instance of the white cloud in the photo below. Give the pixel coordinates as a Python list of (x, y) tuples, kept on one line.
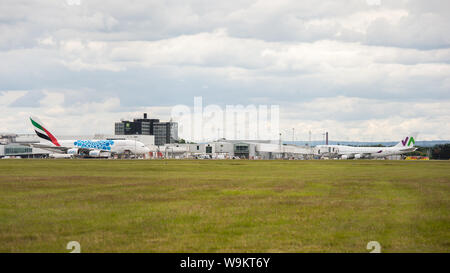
[(387, 64), (8, 97), (218, 49), (349, 118)]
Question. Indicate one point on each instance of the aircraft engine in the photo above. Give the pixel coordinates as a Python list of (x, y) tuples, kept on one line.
[(73, 151), (105, 154), (94, 153), (357, 156), (344, 157)]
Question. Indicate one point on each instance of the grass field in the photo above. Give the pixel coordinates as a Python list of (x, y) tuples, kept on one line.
[(224, 206)]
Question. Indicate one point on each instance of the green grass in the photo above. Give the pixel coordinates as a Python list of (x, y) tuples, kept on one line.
[(224, 206)]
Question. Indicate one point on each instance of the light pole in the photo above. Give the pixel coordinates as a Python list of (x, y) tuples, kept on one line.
[(281, 150)]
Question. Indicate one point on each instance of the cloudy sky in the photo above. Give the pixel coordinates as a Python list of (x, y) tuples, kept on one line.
[(360, 69)]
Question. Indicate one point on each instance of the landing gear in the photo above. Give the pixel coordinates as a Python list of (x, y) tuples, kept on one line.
[(127, 154)]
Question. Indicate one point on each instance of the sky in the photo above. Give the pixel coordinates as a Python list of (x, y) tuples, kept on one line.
[(363, 70)]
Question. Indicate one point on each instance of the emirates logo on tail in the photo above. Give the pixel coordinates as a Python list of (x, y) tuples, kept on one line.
[(42, 132)]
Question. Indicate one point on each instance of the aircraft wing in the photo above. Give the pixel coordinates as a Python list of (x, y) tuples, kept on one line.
[(408, 149), (55, 149)]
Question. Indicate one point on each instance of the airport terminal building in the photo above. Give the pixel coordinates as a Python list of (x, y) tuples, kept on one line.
[(164, 132), (233, 149), (11, 146)]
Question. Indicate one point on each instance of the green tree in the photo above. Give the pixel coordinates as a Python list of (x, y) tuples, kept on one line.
[(441, 151)]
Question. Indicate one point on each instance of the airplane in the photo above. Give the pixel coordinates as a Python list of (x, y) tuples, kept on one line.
[(86, 148), (349, 152)]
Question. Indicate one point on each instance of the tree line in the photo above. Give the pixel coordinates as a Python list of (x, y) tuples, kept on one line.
[(440, 151)]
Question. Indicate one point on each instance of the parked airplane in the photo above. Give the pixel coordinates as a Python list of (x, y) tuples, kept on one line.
[(349, 152), (87, 148)]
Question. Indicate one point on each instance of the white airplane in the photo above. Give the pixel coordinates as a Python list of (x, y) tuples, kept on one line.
[(87, 148), (349, 152)]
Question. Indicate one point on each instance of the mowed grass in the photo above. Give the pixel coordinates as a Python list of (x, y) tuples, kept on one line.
[(224, 206)]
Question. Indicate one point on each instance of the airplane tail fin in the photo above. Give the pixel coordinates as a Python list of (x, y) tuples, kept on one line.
[(42, 132), (408, 142)]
